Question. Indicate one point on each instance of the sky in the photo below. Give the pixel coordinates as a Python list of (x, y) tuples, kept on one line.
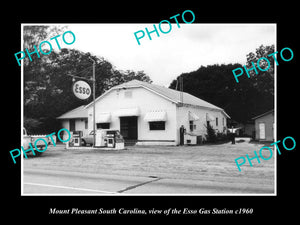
[(182, 50)]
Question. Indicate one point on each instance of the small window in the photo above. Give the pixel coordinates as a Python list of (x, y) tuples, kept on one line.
[(207, 123), (216, 121), (157, 125), (128, 94), (223, 121), (192, 125), (103, 125), (85, 124)]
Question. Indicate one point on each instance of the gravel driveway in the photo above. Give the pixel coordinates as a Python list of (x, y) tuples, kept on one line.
[(206, 162)]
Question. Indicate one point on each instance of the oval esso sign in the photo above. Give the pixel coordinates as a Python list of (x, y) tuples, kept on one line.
[(82, 89)]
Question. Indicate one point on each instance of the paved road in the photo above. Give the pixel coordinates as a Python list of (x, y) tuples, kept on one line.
[(49, 182)]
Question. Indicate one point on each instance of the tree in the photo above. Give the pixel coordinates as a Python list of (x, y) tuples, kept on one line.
[(211, 134), (32, 125), (121, 76), (243, 100), (34, 71), (264, 80), (48, 88)]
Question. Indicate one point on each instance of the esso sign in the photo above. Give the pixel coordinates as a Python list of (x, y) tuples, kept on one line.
[(82, 89)]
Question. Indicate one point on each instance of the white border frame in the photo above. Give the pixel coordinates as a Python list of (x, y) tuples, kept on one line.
[(124, 194)]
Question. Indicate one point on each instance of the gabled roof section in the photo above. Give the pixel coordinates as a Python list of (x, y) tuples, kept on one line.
[(261, 115), (79, 112), (167, 93)]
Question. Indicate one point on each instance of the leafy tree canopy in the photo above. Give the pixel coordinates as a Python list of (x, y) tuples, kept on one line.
[(242, 101), (47, 86)]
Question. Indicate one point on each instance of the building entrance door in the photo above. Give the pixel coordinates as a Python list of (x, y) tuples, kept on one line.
[(262, 131), (128, 127)]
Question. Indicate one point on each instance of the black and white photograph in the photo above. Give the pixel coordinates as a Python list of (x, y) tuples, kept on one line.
[(165, 117), (173, 112)]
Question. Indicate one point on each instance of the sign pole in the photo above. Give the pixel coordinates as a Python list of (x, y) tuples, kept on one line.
[(94, 94), (80, 91)]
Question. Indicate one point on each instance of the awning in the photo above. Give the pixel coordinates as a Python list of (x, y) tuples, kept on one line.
[(128, 112), (209, 117), (103, 118), (153, 116), (193, 116)]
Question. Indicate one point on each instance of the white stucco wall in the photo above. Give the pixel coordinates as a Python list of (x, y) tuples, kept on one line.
[(183, 119), (146, 101), (79, 125), (268, 120), (65, 124)]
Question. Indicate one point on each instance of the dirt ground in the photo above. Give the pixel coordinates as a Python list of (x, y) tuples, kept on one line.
[(214, 163)]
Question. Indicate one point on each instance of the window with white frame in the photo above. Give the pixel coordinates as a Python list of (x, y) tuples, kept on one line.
[(103, 125), (157, 125), (192, 125)]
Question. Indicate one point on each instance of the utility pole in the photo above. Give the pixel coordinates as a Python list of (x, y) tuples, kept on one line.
[(94, 95), (94, 109)]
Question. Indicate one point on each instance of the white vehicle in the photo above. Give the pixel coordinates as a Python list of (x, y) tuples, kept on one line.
[(26, 139), (108, 135), (31, 139)]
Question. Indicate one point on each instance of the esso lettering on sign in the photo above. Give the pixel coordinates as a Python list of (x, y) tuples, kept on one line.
[(82, 90)]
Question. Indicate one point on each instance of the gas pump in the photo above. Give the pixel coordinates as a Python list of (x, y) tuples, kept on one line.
[(114, 139), (77, 138), (110, 137)]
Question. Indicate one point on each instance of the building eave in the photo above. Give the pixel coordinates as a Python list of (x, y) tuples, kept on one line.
[(179, 104), (264, 114)]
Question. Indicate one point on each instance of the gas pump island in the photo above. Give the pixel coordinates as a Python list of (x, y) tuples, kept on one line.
[(111, 139), (105, 138)]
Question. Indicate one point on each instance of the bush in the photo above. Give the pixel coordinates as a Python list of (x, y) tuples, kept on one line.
[(211, 134), (222, 137), (31, 125)]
